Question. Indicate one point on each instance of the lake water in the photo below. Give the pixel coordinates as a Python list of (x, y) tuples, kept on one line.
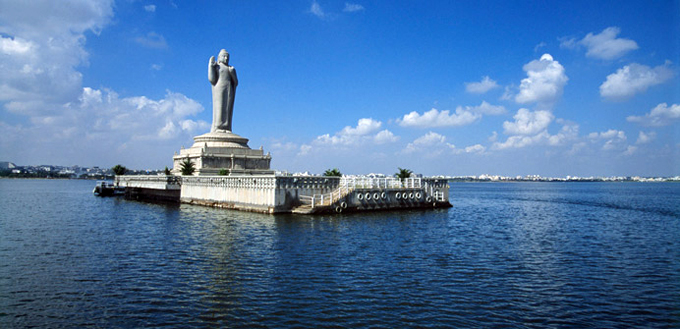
[(530, 255)]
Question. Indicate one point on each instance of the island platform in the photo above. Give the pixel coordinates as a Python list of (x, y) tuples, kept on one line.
[(290, 194), (248, 183)]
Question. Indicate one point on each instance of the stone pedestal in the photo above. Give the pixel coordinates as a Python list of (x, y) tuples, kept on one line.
[(223, 149)]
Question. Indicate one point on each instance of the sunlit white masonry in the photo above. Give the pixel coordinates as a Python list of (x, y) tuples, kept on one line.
[(251, 185)]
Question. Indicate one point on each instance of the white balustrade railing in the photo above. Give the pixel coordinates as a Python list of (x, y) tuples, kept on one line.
[(381, 183), (133, 180), (349, 184)]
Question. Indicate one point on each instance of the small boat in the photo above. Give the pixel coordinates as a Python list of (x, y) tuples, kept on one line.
[(107, 189)]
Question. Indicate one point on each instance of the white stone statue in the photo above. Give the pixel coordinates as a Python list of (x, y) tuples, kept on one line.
[(224, 82)]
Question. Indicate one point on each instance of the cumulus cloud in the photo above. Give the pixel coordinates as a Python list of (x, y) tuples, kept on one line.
[(633, 79), (644, 138), (528, 122), (544, 83), (661, 115), (487, 109), (365, 131), (436, 118), (530, 128), (118, 127), (614, 139), (477, 148), (352, 7), (385, 136), (609, 134), (433, 143), (41, 45), (462, 116), (606, 45), (481, 87), (150, 8)]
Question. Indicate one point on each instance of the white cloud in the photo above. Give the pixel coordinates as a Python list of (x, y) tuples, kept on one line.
[(633, 79), (614, 139), (152, 40), (630, 150), (661, 115), (16, 46), (435, 118), (41, 45), (316, 10), (606, 45), (304, 149), (521, 141), (150, 8), (462, 116), (102, 127), (609, 134), (529, 132), (494, 137), (365, 131), (481, 87), (385, 136), (568, 43), (432, 143), (544, 83), (487, 109), (477, 148), (644, 138), (60, 20), (528, 122), (352, 7)]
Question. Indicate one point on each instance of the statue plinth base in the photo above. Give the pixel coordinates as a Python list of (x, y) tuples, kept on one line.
[(223, 150)]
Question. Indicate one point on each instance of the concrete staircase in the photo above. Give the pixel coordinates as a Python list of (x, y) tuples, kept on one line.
[(323, 202)]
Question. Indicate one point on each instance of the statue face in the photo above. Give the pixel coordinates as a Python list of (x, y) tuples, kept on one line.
[(223, 57)]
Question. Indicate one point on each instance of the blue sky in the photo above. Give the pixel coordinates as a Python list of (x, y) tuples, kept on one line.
[(440, 87)]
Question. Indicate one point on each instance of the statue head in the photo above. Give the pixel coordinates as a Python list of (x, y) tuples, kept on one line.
[(223, 57)]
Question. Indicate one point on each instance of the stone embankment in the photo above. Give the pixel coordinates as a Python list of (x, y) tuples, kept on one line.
[(290, 194)]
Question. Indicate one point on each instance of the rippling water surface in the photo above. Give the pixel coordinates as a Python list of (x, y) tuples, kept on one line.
[(507, 255)]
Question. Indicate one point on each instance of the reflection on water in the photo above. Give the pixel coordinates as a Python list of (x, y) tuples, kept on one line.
[(511, 255)]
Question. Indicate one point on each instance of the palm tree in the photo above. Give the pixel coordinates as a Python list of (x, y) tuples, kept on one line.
[(167, 171), (187, 167), (119, 170), (403, 173), (332, 173)]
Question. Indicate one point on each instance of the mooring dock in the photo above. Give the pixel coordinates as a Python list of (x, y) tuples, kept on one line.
[(290, 194)]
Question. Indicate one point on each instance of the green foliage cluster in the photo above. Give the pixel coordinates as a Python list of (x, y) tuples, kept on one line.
[(403, 173), (187, 167), (332, 173), (119, 170)]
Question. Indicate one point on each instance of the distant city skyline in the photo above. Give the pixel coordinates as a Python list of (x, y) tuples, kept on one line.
[(576, 88)]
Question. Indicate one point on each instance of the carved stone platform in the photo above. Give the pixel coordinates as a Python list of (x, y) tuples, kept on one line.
[(223, 149)]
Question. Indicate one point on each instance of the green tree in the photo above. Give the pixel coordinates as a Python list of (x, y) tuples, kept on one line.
[(223, 172), (403, 173), (332, 173), (187, 167), (119, 170), (167, 171)]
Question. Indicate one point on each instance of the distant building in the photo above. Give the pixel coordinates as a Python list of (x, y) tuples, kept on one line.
[(7, 165)]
